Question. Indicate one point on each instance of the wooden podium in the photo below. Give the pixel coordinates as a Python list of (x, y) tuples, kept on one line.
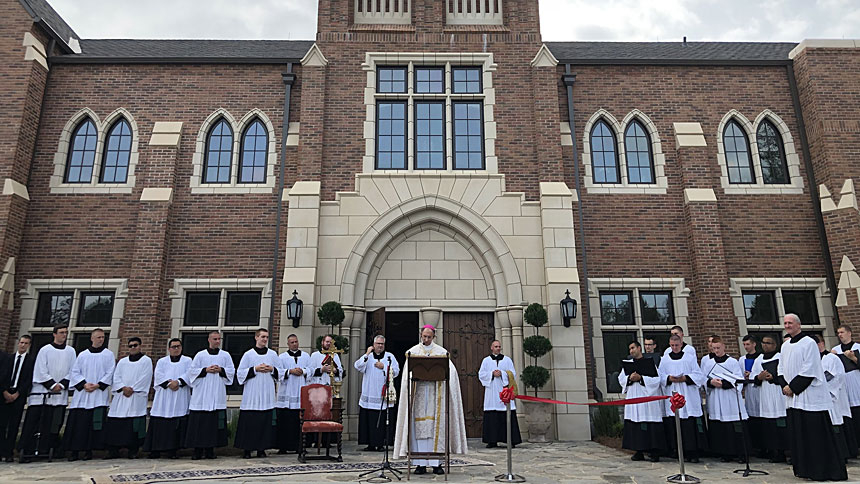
[(428, 369)]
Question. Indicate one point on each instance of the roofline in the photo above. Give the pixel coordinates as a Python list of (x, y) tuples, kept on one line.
[(44, 25), (171, 60), (678, 62)]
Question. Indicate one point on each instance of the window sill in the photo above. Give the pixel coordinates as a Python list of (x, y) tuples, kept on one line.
[(619, 189), (238, 189), (85, 188), (757, 189)]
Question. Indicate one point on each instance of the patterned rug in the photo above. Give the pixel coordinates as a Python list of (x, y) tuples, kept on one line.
[(260, 471)]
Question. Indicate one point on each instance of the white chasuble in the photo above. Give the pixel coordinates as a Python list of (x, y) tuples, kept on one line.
[(53, 365), (209, 390), (171, 403), (493, 385), (92, 367), (258, 392), (137, 375), (290, 386), (373, 378)]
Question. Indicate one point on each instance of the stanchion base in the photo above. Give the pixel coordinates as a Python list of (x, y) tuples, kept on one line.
[(683, 479), (510, 478), (750, 472)]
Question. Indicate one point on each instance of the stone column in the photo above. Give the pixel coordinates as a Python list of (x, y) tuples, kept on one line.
[(515, 318), (301, 259), (503, 330)]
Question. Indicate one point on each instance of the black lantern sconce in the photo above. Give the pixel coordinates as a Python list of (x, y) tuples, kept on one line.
[(294, 309), (568, 309)]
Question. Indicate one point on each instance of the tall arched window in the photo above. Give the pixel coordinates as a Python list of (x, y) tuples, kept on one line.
[(82, 153), (219, 153), (117, 153), (604, 159), (774, 168), (738, 159), (637, 145), (252, 157)]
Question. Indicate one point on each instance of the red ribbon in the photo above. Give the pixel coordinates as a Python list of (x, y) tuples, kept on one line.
[(508, 394), (677, 402)]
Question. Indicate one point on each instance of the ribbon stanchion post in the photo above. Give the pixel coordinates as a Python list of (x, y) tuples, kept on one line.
[(678, 402), (507, 395)]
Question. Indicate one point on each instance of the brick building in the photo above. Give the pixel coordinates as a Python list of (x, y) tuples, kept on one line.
[(426, 161)]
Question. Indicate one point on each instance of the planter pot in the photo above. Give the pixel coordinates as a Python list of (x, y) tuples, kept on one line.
[(539, 420)]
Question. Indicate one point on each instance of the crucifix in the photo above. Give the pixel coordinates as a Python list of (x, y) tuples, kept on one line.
[(329, 359)]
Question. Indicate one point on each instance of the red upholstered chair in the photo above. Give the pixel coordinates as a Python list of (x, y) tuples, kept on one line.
[(315, 417)]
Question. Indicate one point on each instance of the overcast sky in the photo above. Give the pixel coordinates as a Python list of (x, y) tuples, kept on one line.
[(620, 20)]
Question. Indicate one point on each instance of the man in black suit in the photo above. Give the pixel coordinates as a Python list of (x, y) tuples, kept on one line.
[(16, 379)]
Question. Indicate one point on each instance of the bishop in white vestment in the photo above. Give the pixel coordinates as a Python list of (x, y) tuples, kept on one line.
[(426, 432), (374, 365), (126, 423), (259, 370), (727, 413), (211, 372), (91, 376), (168, 419), (497, 372), (682, 375), (295, 363), (46, 405), (772, 426), (643, 423)]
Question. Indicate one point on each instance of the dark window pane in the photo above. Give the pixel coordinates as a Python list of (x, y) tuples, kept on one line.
[(192, 343), (429, 80), (117, 153), (603, 154), (760, 307), (468, 136), (615, 308), (776, 334), (637, 145), (255, 147), (237, 344), (614, 350), (54, 308), (40, 340), (656, 307), (243, 308), (429, 137), (391, 80), (219, 153), (801, 303), (738, 158), (391, 135), (467, 80), (774, 168), (96, 309), (82, 153), (201, 308)]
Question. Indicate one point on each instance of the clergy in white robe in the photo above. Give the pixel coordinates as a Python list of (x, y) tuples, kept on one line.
[(689, 350), (814, 454), (773, 427), (259, 370), (834, 374), (211, 372), (497, 372), (126, 422), (643, 423), (91, 376), (751, 392), (727, 413), (168, 418), (426, 432), (295, 363), (683, 375), (374, 366), (321, 364), (848, 351), (46, 405)]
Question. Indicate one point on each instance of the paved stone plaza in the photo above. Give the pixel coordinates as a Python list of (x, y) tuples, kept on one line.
[(538, 463)]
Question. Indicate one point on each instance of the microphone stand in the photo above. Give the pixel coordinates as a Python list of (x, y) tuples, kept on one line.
[(746, 470), (386, 464)]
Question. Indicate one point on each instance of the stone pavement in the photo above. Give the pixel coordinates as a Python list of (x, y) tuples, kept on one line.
[(539, 463)]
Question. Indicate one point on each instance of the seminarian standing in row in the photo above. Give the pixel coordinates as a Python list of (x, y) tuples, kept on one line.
[(294, 362), (850, 350), (211, 372), (20, 373), (727, 414), (259, 370), (126, 423), (682, 375), (168, 419), (643, 423), (91, 376), (46, 406), (497, 372), (375, 365), (772, 423), (321, 365), (834, 374)]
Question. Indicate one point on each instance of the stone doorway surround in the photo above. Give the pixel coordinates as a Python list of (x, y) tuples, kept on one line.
[(509, 252)]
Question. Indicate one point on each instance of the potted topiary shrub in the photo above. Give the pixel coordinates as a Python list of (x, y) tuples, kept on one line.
[(331, 314), (538, 414)]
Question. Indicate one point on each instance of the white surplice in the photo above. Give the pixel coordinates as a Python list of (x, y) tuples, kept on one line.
[(171, 403), (374, 379), (95, 368), (138, 376), (723, 402), (53, 365), (688, 350), (852, 378), (258, 392), (209, 390), (494, 385), (800, 357), (683, 366), (315, 364), (835, 371), (771, 399), (648, 386), (290, 386)]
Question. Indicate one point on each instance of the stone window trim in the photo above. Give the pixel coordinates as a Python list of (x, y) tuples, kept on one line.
[(30, 302), (737, 285), (238, 127), (792, 159), (658, 158), (411, 60), (57, 182), (676, 286)]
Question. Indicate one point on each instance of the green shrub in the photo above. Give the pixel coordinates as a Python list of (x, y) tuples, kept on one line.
[(535, 315), (536, 346), (331, 314), (535, 377), (341, 342), (607, 422)]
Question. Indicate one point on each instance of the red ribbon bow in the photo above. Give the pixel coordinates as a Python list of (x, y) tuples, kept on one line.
[(677, 400), (507, 394)]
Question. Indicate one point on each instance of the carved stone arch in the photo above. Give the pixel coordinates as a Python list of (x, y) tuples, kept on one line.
[(792, 159), (617, 130), (656, 145), (62, 153), (200, 145), (781, 126), (465, 223), (135, 138), (745, 124), (271, 150)]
